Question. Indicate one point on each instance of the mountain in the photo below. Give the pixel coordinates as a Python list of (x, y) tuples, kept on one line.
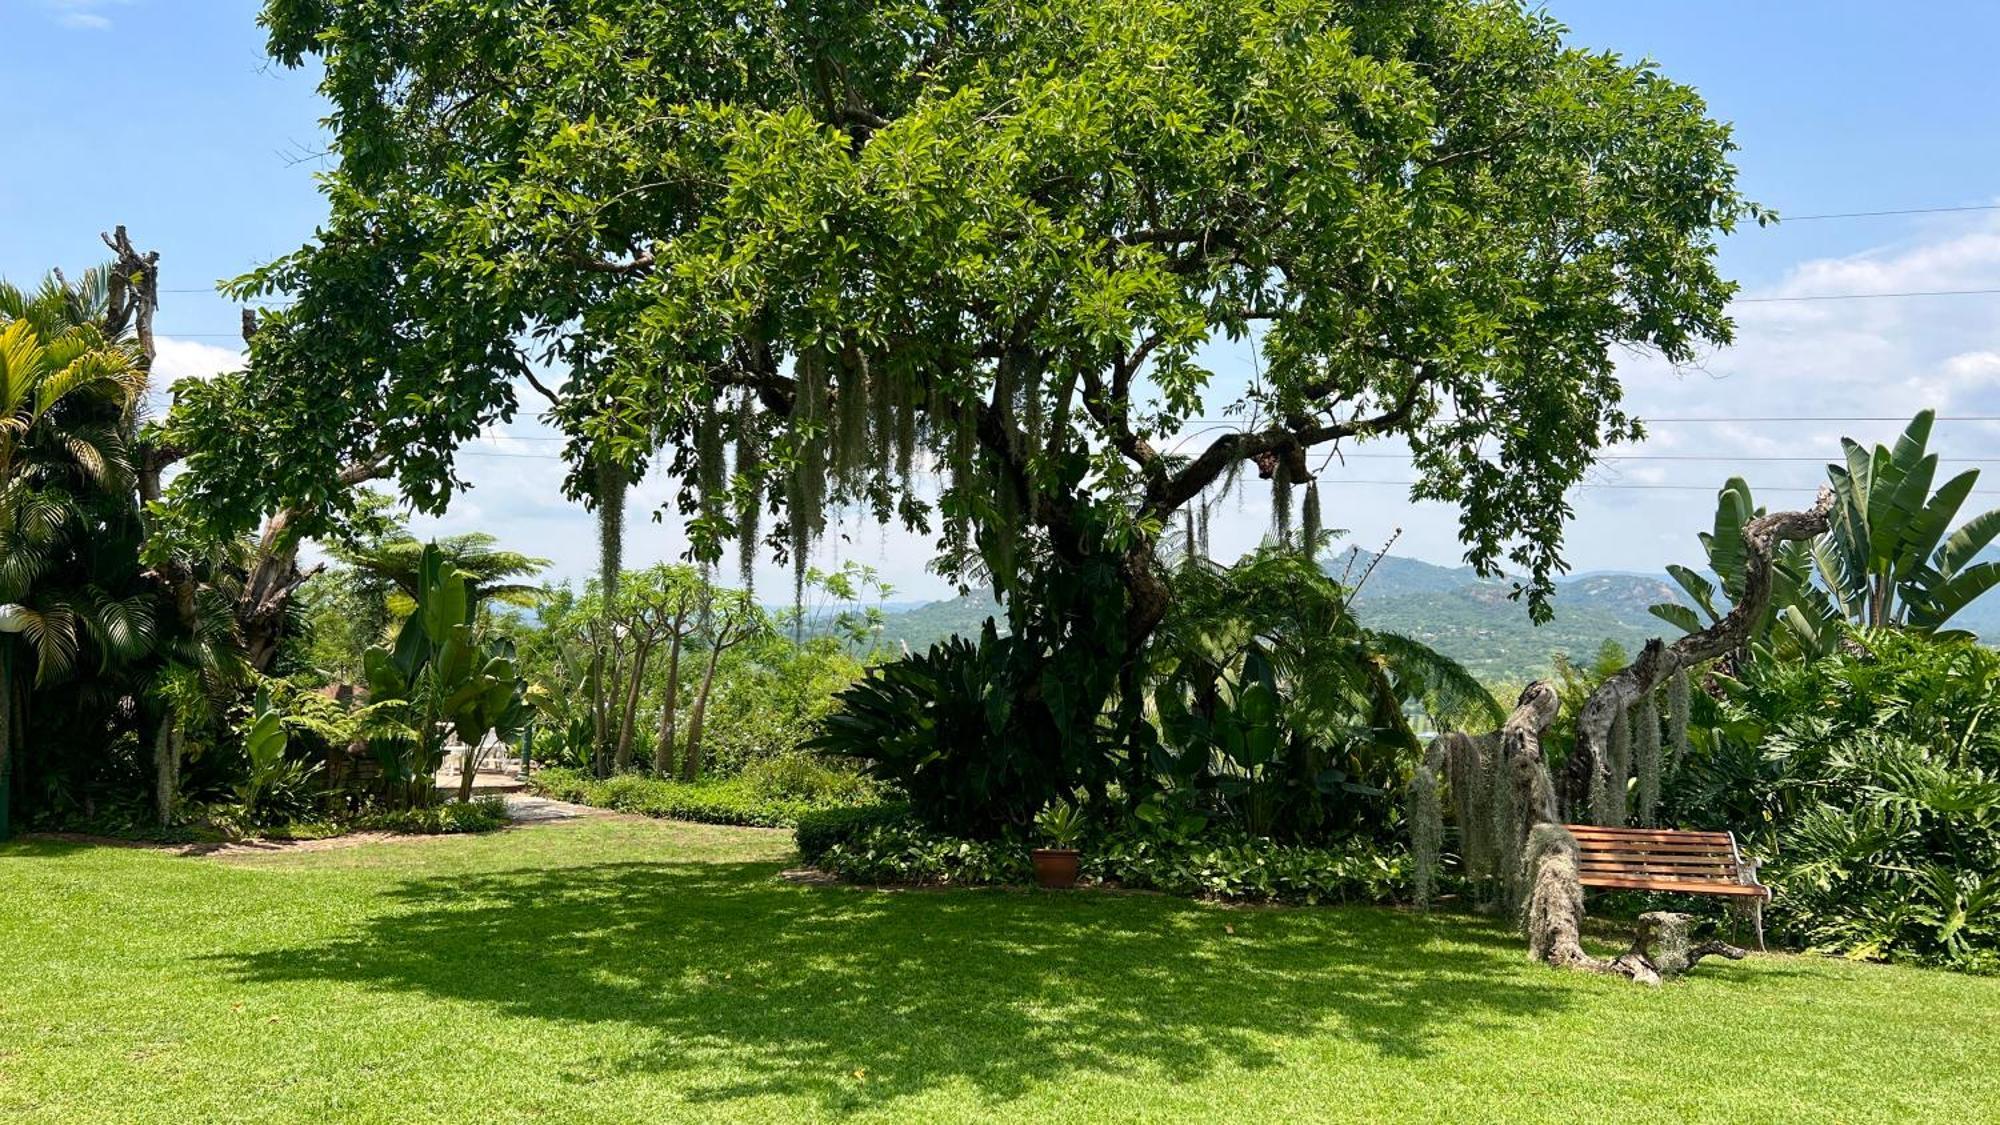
[(1472, 620), (924, 626), (1478, 623)]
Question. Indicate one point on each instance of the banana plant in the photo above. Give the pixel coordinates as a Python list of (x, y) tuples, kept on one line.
[(1886, 560), (1801, 619), (1889, 556), (448, 678)]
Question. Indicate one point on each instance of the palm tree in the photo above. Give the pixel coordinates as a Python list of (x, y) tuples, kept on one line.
[(67, 396)]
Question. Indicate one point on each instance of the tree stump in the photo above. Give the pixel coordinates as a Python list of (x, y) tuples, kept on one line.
[(1676, 953)]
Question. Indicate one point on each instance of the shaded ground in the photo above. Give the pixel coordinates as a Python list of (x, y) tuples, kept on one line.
[(622, 969)]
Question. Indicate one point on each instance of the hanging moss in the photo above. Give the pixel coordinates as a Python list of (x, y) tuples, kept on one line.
[(1677, 720), (749, 507), (1309, 520), (1426, 834), (1646, 759), (1281, 502), (851, 448), (610, 490), (1555, 890), (1607, 785), (1506, 831)]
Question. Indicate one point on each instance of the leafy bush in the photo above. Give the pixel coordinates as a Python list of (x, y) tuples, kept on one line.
[(908, 852), (1252, 868), (1869, 783), (821, 829), (481, 814), (732, 800), (883, 848), (944, 728), (793, 775)]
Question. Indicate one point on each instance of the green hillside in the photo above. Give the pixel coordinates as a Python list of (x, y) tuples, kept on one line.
[(1449, 608)]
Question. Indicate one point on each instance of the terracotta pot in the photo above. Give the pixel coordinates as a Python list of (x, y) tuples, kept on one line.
[(1056, 868)]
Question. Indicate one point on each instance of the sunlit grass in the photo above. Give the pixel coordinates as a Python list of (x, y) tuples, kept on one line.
[(644, 971)]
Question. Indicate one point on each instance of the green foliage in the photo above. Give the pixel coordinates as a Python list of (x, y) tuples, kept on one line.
[(909, 853), (1224, 866), (943, 728), (1253, 869), (1890, 561), (774, 799), (481, 814), (274, 787), (438, 672), (821, 829), (1062, 824), (1885, 560), (1869, 783), (1281, 711)]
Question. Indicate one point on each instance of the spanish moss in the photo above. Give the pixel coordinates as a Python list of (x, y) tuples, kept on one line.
[(1646, 758), (1677, 720)]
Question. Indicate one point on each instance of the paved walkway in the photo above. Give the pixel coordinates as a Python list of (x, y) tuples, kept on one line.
[(526, 808)]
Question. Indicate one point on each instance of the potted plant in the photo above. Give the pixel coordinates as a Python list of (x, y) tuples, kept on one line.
[(1056, 865)]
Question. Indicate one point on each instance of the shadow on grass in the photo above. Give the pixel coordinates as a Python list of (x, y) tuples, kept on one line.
[(745, 985)]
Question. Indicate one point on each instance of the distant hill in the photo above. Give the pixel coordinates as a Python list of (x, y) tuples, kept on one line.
[(1471, 620), (924, 626), (1477, 623)]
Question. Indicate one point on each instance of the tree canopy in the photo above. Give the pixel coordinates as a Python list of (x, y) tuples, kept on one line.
[(807, 253)]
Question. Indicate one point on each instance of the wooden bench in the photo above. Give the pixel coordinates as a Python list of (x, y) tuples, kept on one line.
[(1666, 859)]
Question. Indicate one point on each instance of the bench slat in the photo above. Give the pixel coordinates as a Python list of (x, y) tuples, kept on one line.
[(1670, 835), (1615, 882), (1661, 859)]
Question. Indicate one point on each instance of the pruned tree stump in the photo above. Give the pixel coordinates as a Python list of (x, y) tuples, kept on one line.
[(1664, 948)]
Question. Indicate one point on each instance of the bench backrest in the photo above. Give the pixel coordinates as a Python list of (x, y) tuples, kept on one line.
[(1657, 854)]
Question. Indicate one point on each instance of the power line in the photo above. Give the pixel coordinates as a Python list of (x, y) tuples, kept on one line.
[(1866, 296), (1784, 218)]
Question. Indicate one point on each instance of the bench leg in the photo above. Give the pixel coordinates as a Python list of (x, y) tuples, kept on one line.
[(1757, 920)]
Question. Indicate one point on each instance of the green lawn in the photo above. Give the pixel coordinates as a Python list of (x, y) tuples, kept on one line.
[(625, 970)]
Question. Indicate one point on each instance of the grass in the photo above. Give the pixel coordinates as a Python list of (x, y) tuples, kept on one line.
[(623, 969)]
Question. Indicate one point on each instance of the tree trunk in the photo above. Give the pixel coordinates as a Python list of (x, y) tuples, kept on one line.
[(663, 751), (1147, 598), (630, 716), (1550, 855), (6, 737), (1657, 662), (166, 768), (691, 756), (468, 768)]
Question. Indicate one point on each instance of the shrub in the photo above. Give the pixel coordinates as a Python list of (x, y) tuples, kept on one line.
[(1253, 869), (945, 728), (1240, 868), (793, 775), (1869, 783), (732, 800), (907, 852), (481, 814), (823, 828)]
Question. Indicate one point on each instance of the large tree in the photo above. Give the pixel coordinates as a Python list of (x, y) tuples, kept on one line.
[(808, 255)]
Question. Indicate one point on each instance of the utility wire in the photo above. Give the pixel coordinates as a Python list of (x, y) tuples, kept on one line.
[(1784, 218)]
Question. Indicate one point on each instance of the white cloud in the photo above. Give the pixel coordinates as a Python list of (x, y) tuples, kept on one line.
[(83, 15), (177, 359)]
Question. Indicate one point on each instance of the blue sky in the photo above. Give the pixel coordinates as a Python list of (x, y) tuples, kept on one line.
[(165, 115)]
